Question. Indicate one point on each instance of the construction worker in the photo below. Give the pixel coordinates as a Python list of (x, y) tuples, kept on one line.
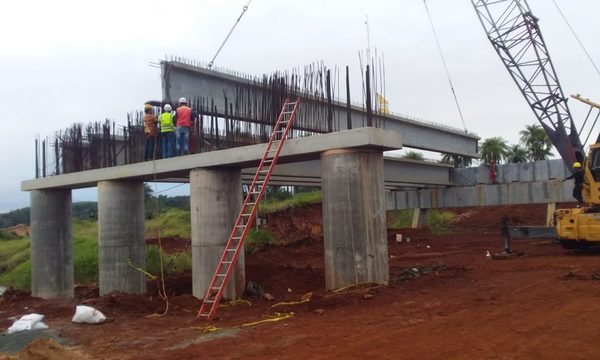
[(167, 132), (578, 174), (183, 120), (149, 132)]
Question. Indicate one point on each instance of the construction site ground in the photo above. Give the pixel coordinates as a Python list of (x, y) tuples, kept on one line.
[(445, 300)]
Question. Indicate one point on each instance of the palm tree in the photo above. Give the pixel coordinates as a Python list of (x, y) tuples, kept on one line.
[(414, 155), (516, 154), (494, 148), (536, 141), (458, 161)]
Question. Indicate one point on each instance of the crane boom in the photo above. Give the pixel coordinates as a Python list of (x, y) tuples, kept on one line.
[(515, 34)]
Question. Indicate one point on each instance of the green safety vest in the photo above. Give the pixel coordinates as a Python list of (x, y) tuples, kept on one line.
[(166, 122)]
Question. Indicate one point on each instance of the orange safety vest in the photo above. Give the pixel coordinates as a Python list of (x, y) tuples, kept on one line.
[(184, 116)]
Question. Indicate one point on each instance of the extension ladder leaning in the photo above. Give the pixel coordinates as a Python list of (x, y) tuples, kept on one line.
[(245, 218)]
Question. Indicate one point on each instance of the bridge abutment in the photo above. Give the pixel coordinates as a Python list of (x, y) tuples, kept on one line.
[(51, 244), (215, 201), (121, 236), (354, 227)]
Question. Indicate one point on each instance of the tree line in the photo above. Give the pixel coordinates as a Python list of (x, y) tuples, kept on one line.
[(533, 145)]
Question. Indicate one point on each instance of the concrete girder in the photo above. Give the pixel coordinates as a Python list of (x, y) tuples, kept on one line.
[(183, 80)]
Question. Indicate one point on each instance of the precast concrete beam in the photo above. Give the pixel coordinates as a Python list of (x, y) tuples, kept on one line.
[(354, 226), (51, 244), (121, 244), (215, 201), (299, 149), (183, 80)]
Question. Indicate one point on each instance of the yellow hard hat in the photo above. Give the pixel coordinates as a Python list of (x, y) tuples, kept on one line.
[(576, 165)]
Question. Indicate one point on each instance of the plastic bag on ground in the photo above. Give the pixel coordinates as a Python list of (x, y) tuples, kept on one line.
[(88, 315), (26, 323)]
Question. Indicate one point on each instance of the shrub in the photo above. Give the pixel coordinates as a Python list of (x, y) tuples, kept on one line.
[(439, 221), (172, 222), (172, 263), (401, 219), (259, 238)]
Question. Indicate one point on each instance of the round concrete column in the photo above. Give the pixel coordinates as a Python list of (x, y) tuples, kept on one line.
[(354, 226), (121, 236), (51, 244), (215, 201)]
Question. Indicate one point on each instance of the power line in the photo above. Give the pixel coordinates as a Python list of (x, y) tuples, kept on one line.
[(437, 41)]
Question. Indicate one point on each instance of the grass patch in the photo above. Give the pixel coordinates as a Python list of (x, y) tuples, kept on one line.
[(8, 235), (270, 206), (18, 277), (401, 219), (257, 239), (439, 221), (172, 222)]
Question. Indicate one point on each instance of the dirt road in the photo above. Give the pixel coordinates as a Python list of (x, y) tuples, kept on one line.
[(445, 300)]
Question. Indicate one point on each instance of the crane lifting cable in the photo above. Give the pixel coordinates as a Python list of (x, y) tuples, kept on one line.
[(212, 61), (437, 42), (576, 37)]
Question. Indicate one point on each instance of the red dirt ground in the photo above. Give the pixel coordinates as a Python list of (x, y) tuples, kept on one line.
[(445, 300)]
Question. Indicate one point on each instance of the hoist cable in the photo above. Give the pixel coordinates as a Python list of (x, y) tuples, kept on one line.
[(210, 64), (437, 41), (576, 37)]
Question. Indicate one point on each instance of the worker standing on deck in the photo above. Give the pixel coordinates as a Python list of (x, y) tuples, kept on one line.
[(149, 132), (167, 132), (578, 174), (183, 120)]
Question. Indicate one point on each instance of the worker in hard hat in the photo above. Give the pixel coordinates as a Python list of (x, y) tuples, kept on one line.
[(149, 132), (183, 121), (578, 174), (167, 131)]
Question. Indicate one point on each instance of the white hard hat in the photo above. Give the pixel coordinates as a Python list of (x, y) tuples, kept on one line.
[(168, 107), (182, 100)]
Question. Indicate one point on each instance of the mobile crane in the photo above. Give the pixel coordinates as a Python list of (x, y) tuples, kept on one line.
[(514, 33)]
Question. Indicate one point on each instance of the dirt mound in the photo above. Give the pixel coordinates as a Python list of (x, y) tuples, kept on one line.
[(117, 303), (490, 216), (48, 349), (297, 225), (21, 230)]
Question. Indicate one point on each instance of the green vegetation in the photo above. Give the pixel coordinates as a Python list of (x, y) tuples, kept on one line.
[(401, 219), (257, 239), (439, 221), (414, 155), (172, 222), (269, 206), (172, 263)]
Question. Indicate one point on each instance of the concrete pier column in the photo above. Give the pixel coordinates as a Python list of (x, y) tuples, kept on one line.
[(51, 244), (215, 201), (354, 227), (121, 236)]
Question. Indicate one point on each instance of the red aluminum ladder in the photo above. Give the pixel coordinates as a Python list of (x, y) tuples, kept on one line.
[(246, 216)]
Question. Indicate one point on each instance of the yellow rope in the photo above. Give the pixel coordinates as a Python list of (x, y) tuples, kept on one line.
[(268, 319), (236, 302), (290, 303)]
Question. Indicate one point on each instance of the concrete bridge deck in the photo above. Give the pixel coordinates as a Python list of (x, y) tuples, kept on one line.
[(351, 173)]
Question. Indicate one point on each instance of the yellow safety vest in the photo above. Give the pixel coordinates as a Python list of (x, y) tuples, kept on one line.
[(166, 122)]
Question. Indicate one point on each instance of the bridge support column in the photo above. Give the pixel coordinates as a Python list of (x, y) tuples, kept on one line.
[(121, 236), (51, 244), (215, 201), (354, 227)]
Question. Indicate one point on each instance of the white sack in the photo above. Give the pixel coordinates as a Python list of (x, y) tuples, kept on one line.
[(26, 323), (88, 315)]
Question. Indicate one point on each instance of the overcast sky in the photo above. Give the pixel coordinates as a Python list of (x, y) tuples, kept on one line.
[(63, 62)]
